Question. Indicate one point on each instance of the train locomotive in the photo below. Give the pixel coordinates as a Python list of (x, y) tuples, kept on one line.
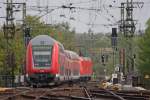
[(47, 61)]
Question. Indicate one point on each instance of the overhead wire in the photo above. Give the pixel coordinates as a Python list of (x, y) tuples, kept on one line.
[(92, 23), (47, 13), (101, 10), (82, 2)]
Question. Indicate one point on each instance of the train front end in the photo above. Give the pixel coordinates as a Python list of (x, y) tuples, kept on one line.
[(41, 60)]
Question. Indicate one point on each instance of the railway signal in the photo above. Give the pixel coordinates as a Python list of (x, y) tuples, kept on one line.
[(114, 44), (27, 36), (103, 59), (114, 37)]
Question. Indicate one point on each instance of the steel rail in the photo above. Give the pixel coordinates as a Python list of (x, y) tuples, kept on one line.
[(127, 96), (87, 93), (49, 97), (15, 95), (104, 91), (115, 95)]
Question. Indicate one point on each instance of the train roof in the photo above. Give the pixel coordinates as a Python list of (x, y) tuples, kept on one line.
[(44, 40), (85, 58), (72, 54)]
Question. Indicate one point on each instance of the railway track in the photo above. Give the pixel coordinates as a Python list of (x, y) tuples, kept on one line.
[(75, 92), (121, 95), (60, 93)]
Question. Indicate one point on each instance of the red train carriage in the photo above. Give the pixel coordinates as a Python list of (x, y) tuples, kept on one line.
[(42, 64), (72, 65), (85, 68), (47, 61)]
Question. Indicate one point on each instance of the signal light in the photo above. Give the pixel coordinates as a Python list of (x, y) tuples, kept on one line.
[(27, 32), (114, 32), (27, 36), (103, 58), (114, 37)]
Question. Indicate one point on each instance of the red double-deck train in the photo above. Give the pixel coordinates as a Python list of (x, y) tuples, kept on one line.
[(47, 61)]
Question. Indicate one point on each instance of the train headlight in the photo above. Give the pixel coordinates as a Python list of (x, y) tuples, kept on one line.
[(57, 75), (27, 75)]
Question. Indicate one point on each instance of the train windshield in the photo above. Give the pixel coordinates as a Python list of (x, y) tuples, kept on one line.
[(42, 55)]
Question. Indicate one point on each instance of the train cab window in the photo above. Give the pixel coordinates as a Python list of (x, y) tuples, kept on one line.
[(61, 48), (42, 55)]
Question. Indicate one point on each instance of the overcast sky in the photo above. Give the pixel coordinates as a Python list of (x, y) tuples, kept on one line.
[(82, 19)]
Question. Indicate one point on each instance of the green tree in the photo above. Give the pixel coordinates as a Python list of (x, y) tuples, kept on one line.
[(2, 51), (144, 53)]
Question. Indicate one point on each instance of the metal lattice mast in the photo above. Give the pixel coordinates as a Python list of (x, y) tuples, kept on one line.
[(9, 32), (127, 27)]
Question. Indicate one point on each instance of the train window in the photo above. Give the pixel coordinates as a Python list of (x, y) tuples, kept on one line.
[(61, 48), (76, 72), (42, 55)]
